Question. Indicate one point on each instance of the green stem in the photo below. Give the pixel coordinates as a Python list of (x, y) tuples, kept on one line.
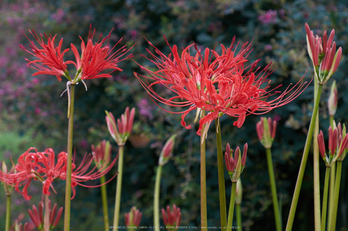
[(326, 189), (239, 217), (221, 176), (303, 162), (105, 203), (231, 208), (336, 195), (278, 222), (204, 216), (332, 183), (156, 212), (8, 213), (118, 188), (69, 159), (316, 169), (47, 214)]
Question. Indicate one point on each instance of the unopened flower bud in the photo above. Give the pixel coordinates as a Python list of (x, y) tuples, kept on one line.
[(266, 130), (167, 151), (239, 192), (133, 218), (235, 166), (332, 102), (8, 189), (172, 218), (101, 154)]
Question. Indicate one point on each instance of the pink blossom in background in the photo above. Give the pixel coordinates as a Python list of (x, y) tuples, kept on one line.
[(145, 109), (268, 47), (58, 15), (3, 61), (268, 17)]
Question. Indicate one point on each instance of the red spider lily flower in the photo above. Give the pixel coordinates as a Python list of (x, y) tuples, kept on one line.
[(322, 52), (133, 218), (121, 130), (171, 218), (42, 166), (217, 83), (37, 216), (95, 59), (338, 143), (101, 153), (167, 151), (49, 56), (235, 166), (266, 129)]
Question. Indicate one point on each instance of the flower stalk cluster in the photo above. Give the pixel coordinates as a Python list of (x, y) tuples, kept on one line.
[(171, 218), (132, 219)]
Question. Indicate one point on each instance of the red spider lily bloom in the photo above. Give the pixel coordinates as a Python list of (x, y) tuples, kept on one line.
[(121, 130), (133, 218), (95, 57), (49, 56), (37, 216), (171, 219), (98, 57), (42, 166), (217, 83)]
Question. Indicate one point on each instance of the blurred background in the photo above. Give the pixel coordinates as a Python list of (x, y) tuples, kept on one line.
[(32, 113)]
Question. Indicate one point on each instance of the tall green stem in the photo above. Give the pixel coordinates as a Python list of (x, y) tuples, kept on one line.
[(278, 222), (221, 176), (105, 203), (332, 184), (156, 212), (47, 214), (336, 195), (303, 162), (118, 188), (69, 159), (231, 208), (326, 189), (204, 216), (316, 169), (8, 212), (239, 217)]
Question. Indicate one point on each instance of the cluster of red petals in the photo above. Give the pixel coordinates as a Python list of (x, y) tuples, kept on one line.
[(338, 142), (231, 163), (133, 218), (94, 60), (216, 83), (46, 167), (272, 125), (37, 215), (172, 218)]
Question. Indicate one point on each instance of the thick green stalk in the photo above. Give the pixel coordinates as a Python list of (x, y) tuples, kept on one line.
[(221, 176), (204, 216), (156, 211), (47, 214), (316, 169), (118, 188), (278, 222), (69, 159), (105, 203), (336, 195), (332, 184), (326, 189), (8, 212), (303, 162), (231, 208), (239, 217)]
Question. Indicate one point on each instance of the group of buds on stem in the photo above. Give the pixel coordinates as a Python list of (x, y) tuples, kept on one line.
[(235, 165), (266, 130), (323, 54), (133, 218), (338, 143), (38, 219), (121, 130), (101, 154), (171, 218)]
